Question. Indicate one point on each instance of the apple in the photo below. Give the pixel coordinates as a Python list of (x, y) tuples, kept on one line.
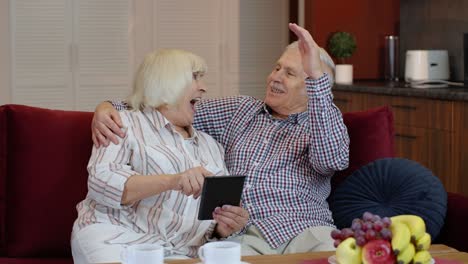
[(378, 252), (348, 252)]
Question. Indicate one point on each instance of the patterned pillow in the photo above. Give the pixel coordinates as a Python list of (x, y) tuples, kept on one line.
[(388, 187)]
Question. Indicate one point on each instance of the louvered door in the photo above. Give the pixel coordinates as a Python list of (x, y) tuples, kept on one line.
[(263, 27), (101, 51), (41, 42), (194, 26), (70, 54)]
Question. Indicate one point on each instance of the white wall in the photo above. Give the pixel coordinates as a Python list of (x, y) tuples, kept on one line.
[(5, 73)]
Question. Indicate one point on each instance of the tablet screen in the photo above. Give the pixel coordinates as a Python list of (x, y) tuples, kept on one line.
[(218, 191)]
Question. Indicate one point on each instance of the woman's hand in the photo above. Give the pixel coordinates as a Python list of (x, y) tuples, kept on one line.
[(106, 125), (230, 219), (191, 181)]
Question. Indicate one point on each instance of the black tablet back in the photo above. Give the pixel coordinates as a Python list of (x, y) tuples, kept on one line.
[(218, 191)]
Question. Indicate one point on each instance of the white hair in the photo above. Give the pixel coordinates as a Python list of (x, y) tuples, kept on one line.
[(163, 77), (324, 57)]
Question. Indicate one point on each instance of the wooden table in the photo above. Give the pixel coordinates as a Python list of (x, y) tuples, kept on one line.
[(437, 251)]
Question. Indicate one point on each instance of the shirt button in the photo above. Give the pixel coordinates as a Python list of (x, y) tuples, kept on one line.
[(265, 141), (248, 186), (256, 164)]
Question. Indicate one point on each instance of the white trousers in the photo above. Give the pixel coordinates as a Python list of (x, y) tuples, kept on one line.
[(316, 238), (88, 245)]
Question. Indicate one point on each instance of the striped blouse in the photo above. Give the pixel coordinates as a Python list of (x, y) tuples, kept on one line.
[(151, 147)]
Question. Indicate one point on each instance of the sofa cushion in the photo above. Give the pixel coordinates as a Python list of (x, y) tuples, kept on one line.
[(43, 177), (35, 261), (371, 137), (452, 234), (388, 187)]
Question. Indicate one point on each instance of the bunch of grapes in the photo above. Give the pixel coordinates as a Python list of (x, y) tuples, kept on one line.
[(370, 227)]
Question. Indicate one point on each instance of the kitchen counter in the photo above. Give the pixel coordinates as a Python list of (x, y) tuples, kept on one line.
[(452, 93)]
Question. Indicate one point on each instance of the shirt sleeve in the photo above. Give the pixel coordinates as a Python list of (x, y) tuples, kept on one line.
[(109, 170), (119, 105), (329, 141), (213, 115), (209, 235)]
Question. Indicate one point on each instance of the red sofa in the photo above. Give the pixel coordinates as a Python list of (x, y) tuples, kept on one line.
[(43, 158)]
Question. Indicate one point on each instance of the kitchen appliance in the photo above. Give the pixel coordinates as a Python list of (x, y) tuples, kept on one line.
[(465, 54), (427, 68), (392, 55)]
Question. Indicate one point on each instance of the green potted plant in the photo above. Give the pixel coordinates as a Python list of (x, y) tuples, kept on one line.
[(342, 45)]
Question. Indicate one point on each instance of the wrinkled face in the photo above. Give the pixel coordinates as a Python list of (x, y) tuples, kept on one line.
[(285, 91), (181, 115)]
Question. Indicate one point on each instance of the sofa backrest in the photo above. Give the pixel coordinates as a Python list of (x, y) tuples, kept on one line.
[(371, 135), (43, 159)]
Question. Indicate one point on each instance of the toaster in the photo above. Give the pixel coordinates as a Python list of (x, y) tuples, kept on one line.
[(426, 65)]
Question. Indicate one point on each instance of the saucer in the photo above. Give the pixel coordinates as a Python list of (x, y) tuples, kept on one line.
[(332, 260), (126, 262)]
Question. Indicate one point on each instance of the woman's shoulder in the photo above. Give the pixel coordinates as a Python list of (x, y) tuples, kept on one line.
[(128, 116)]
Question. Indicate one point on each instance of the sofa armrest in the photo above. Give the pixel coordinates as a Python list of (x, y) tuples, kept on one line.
[(454, 232)]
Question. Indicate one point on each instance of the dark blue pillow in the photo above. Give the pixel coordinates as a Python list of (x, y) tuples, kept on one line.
[(388, 187)]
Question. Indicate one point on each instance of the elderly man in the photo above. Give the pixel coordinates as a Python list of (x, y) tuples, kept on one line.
[(288, 145)]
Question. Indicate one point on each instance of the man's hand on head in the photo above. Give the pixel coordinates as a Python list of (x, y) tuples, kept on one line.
[(309, 50), (106, 125)]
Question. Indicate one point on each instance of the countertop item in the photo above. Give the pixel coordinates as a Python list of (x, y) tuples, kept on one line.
[(451, 93)]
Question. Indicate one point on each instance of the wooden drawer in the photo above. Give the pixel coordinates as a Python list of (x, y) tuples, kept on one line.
[(460, 147), (411, 143), (415, 112), (349, 102), (430, 147)]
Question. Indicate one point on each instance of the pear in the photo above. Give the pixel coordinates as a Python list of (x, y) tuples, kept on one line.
[(348, 252)]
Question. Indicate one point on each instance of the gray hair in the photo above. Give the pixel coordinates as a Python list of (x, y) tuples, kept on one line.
[(163, 77), (324, 57)]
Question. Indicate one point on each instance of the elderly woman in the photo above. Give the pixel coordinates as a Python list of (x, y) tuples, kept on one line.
[(145, 189)]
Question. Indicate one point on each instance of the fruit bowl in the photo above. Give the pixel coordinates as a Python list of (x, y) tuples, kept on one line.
[(332, 260), (382, 240)]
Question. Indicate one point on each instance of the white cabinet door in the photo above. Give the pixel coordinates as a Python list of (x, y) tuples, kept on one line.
[(70, 54), (194, 26), (101, 51), (263, 36), (41, 53)]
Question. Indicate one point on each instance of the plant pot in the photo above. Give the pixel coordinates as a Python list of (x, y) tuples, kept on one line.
[(344, 74)]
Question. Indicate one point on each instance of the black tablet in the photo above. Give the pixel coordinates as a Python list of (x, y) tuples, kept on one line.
[(218, 191)]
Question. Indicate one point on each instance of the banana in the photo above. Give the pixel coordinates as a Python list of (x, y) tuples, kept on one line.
[(401, 236), (415, 223), (424, 242), (422, 257), (406, 256)]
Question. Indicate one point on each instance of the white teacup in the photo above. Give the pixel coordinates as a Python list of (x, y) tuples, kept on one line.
[(142, 253), (225, 252)]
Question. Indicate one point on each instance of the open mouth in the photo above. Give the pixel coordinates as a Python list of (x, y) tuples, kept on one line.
[(194, 101), (276, 89)]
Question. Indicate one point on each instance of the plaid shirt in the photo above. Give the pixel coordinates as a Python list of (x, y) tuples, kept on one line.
[(288, 162)]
